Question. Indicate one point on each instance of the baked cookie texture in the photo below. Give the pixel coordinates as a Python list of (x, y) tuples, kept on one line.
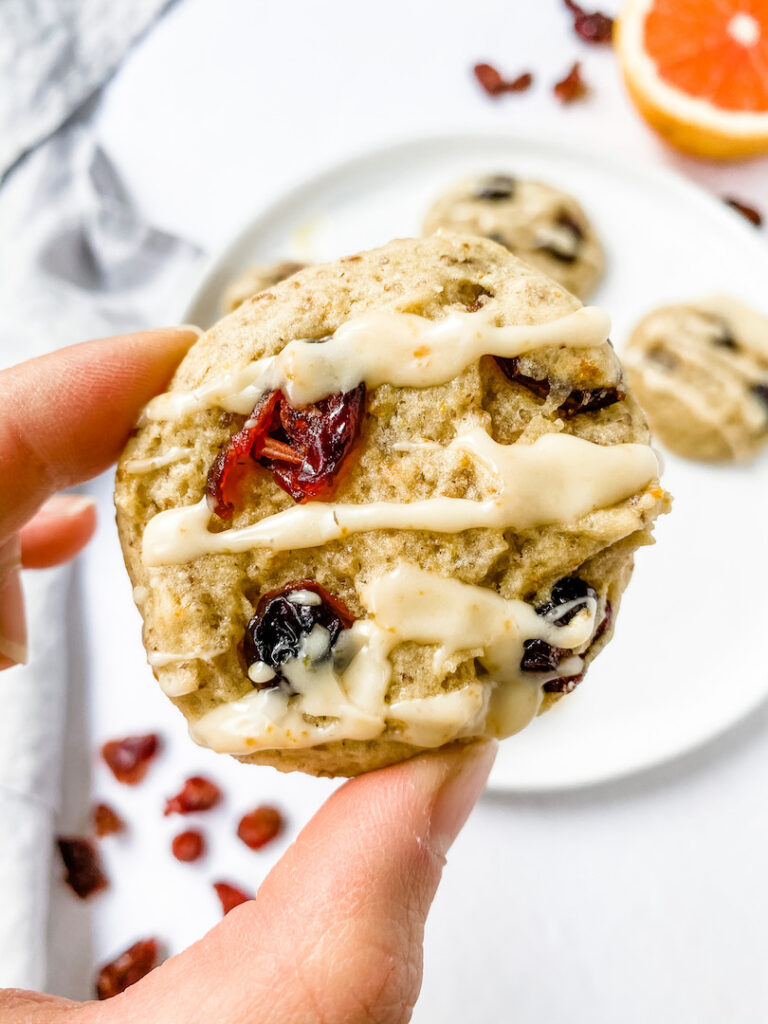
[(538, 223), (195, 613), (700, 371), (255, 279)]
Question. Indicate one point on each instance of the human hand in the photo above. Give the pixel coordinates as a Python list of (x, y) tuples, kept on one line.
[(335, 932)]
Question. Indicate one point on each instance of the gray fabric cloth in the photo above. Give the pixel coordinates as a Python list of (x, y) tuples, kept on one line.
[(54, 54), (77, 260)]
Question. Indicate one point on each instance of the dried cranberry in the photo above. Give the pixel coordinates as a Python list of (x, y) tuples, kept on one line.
[(129, 758), (753, 216), (572, 87), (131, 966), (230, 896), (590, 400), (276, 631), (567, 684), (197, 794), (84, 874), (578, 401), (495, 188), (495, 84), (303, 448), (539, 656), (572, 591), (567, 250), (760, 391), (260, 827), (188, 846), (106, 821), (592, 28), (721, 333)]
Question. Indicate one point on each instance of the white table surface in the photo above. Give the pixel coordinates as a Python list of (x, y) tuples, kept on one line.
[(641, 901)]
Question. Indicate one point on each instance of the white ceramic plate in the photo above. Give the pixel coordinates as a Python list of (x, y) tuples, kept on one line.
[(687, 659)]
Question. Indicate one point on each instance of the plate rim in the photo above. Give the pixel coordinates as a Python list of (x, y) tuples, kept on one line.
[(263, 211)]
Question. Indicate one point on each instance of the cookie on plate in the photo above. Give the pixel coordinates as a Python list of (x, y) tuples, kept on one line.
[(542, 225), (390, 503), (255, 279), (700, 371)]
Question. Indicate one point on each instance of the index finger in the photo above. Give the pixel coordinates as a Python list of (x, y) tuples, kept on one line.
[(66, 416)]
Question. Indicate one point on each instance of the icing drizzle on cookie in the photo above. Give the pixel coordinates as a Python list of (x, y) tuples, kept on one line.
[(558, 478), (409, 351), (407, 604)]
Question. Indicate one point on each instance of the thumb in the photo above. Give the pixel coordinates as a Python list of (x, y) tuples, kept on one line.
[(336, 931)]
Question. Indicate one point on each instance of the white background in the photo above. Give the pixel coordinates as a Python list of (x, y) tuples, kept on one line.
[(643, 900)]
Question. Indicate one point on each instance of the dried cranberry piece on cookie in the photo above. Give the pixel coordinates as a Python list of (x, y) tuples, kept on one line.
[(284, 619), (578, 401), (304, 448)]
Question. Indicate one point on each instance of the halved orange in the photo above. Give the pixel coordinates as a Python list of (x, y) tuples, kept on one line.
[(697, 71)]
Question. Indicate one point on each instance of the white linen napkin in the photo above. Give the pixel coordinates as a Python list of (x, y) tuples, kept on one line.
[(81, 263), (32, 698)]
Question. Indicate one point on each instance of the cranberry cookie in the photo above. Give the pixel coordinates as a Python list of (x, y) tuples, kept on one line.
[(700, 371), (542, 225), (389, 503)]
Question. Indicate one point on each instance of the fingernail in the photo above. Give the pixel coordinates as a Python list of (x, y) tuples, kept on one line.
[(459, 793), (13, 623), (65, 505), (193, 328)]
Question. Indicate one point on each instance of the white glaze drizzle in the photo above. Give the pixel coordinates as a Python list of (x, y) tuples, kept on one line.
[(409, 351), (138, 466), (162, 659), (406, 604), (558, 478)]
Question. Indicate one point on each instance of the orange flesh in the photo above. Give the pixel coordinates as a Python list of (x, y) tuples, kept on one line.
[(694, 52)]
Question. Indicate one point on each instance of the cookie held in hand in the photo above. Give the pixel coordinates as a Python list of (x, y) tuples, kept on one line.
[(388, 504)]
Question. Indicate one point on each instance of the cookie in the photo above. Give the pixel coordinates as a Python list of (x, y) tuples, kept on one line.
[(255, 279), (700, 371), (390, 503), (542, 225)]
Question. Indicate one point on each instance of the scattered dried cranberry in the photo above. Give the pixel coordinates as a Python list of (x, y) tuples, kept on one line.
[(303, 448), (84, 874), (571, 591), (539, 656), (753, 216), (197, 794), (188, 846), (230, 896), (578, 401), (495, 84), (260, 827), (129, 758), (495, 188), (106, 821), (572, 87), (131, 966), (276, 631), (592, 28)]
